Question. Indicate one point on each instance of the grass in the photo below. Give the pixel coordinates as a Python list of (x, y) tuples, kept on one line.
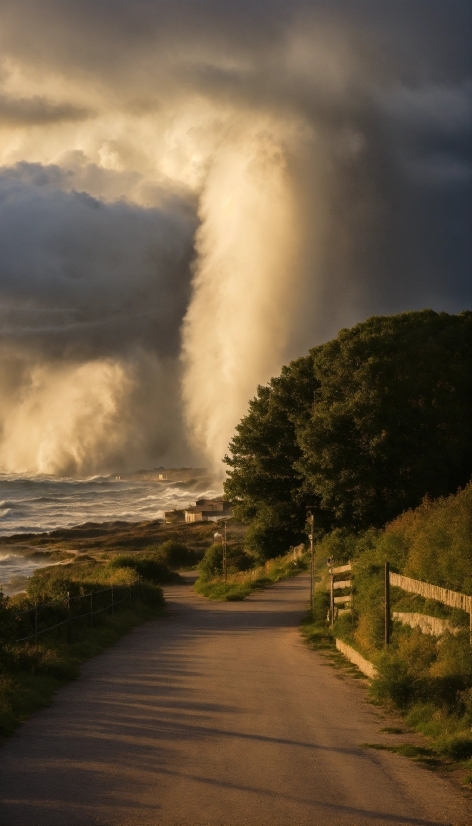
[(393, 730), (427, 756), (242, 583), (449, 733), (94, 539), (94, 556), (427, 679), (31, 671)]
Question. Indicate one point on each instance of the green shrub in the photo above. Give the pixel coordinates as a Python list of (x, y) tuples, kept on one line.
[(212, 563), (239, 584), (395, 682), (457, 747), (320, 606), (151, 568), (175, 554)]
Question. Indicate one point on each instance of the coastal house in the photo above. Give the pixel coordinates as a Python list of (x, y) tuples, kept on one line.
[(208, 510)]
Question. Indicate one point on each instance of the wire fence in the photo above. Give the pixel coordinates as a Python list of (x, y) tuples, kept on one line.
[(46, 616)]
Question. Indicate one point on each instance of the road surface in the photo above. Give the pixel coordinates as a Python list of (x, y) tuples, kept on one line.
[(216, 715)]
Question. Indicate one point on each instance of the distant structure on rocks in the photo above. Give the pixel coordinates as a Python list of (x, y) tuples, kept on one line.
[(169, 474), (208, 510)]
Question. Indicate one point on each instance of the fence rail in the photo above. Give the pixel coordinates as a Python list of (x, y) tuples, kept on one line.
[(454, 599), (341, 569), (424, 589), (343, 583)]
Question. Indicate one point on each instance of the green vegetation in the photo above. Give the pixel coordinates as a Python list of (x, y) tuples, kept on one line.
[(391, 423), (112, 537), (240, 584), (31, 671), (428, 757), (429, 679)]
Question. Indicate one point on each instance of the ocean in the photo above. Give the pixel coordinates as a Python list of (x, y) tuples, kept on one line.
[(33, 504)]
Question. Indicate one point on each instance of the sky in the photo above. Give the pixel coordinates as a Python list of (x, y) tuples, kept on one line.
[(195, 192)]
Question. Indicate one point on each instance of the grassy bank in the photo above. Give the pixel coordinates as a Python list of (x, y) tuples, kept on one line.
[(102, 540), (240, 584), (427, 678), (32, 670)]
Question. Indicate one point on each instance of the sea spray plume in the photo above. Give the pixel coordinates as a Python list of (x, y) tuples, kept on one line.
[(66, 418), (240, 315)]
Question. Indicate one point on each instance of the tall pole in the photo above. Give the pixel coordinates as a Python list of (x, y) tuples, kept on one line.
[(312, 563), (225, 566), (331, 597), (387, 603)]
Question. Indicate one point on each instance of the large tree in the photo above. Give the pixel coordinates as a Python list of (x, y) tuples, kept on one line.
[(264, 480), (391, 424), (393, 416)]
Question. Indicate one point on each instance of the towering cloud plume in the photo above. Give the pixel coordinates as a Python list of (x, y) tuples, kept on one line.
[(191, 194), (238, 324)]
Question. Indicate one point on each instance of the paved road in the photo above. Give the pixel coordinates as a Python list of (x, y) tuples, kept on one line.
[(216, 715)]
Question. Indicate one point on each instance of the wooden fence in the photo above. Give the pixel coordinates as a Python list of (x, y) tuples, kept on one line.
[(454, 599)]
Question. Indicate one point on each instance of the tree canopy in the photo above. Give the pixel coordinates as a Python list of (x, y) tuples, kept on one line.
[(363, 427)]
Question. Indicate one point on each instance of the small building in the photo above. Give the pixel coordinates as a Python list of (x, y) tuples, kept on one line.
[(208, 510)]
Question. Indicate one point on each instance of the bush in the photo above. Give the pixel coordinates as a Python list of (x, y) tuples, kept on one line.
[(212, 563), (457, 747), (395, 682), (240, 584), (175, 554), (7, 624), (149, 567)]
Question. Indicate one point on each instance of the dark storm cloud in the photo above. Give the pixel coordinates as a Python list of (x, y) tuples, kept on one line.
[(403, 200), (85, 277)]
